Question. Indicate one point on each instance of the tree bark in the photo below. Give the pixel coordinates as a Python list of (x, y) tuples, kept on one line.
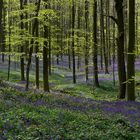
[(45, 58), (95, 48), (120, 49), (73, 47), (103, 38), (130, 94), (31, 48), (21, 47), (86, 40)]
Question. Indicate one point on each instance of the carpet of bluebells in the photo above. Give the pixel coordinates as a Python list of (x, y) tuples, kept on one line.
[(33, 116)]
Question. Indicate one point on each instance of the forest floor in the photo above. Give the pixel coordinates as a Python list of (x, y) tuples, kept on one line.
[(30, 116), (70, 111), (61, 80)]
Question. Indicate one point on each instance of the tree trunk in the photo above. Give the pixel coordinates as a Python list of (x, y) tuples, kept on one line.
[(95, 48), (9, 40), (45, 58), (120, 50), (22, 47), (86, 40), (31, 48), (130, 94), (36, 57), (103, 38), (1, 30), (73, 48)]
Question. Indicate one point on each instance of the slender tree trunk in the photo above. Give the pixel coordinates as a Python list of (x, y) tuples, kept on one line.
[(45, 62), (45, 58), (4, 33), (95, 48), (22, 47), (86, 40), (1, 30), (31, 48), (113, 49), (50, 48), (9, 40), (50, 45), (36, 57), (69, 42), (78, 40), (137, 30), (130, 94), (103, 38), (73, 48)]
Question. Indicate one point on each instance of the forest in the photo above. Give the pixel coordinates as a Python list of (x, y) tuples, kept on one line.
[(69, 70)]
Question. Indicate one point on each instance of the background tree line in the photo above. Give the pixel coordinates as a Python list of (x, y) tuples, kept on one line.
[(91, 34)]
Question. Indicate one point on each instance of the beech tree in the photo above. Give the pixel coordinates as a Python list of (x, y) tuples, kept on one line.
[(95, 48), (131, 54), (45, 57), (2, 35), (22, 47), (120, 49), (73, 48)]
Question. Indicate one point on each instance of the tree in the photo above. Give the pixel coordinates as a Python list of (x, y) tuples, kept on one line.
[(1, 7), (36, 51), (95, 48), (103, 37), (22, 47), (86, 39), (120, 49), (73, 48), (130, 94), (32, 43), (2, 28), (45, 57), (9, 39)]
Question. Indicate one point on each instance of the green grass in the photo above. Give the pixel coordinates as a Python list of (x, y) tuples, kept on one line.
[(14, 76), (25, 121), (59, 116), (58, 83), (107, 90)]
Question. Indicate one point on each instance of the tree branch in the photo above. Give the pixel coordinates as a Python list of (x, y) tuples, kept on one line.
[(114, 19)]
